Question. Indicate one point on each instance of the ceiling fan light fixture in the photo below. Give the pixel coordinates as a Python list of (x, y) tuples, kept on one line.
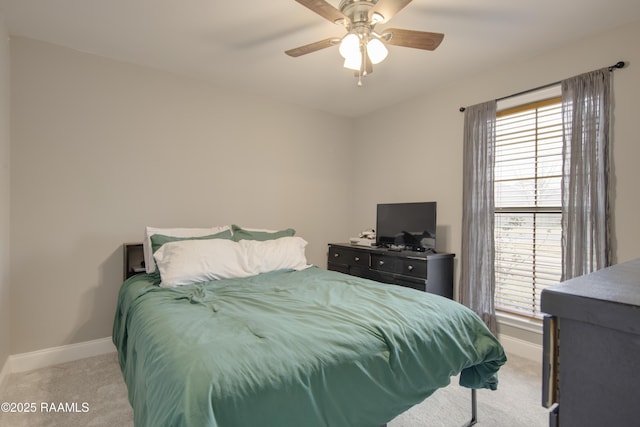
[(354, 62), (377, 51), (362, 47), (376, 17), (350, 46)]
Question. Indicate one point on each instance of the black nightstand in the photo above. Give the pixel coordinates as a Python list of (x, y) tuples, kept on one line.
[(133, 259)]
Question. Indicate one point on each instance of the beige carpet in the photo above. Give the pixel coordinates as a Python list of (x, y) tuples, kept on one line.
[(516, 403), (93, 390), (96, 381)]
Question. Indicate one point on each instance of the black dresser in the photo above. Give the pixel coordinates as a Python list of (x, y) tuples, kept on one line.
[(430, 272), (591, 363)]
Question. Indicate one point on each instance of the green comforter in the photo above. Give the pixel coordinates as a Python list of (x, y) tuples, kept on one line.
[(306, 348)]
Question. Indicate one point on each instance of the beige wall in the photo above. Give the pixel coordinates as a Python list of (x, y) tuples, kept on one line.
[(100, 149), (5, 304), (416, 147)]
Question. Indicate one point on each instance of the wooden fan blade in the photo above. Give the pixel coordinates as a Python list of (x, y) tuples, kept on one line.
[(312, 47), (323, 9), (388, 8), (416, 39)]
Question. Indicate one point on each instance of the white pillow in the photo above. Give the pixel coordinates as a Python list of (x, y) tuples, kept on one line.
[(277, 254), (150, 266), (260, 230), (192, 261)]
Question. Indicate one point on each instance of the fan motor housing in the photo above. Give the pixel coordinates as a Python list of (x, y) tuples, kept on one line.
[(357, 10)]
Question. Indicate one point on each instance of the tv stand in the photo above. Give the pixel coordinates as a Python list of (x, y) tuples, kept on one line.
[(425, 271)]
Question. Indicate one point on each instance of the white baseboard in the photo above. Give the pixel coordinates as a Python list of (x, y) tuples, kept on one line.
[(56, 355), (521, 348)]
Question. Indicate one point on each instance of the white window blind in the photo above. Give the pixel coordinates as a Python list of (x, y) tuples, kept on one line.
[(528, 212)]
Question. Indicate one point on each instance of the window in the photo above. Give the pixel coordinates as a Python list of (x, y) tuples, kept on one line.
[(528, 212)]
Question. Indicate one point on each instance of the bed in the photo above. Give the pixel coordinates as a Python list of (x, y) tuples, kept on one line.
[(298, 346)]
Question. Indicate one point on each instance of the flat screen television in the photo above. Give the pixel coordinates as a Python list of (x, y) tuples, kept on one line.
[(410, 226)]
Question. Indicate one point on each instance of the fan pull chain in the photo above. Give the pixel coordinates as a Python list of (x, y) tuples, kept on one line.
[(363, 63)]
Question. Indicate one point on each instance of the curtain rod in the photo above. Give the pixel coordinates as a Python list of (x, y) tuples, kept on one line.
[(619, 64)]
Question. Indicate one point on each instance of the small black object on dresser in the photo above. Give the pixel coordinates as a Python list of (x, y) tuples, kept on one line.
[(430, 272)]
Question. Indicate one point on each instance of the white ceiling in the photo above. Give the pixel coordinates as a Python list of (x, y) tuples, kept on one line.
[(242, 43)]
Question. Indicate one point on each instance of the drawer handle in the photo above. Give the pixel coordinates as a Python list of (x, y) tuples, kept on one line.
[(336, 255), (381, 262), (410, 267), (357, 259)]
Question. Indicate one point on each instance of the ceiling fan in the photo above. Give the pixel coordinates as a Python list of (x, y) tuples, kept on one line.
[(362, 46)]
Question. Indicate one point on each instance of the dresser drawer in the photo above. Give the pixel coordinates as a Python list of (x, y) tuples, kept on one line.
[(342, 256), (406, 266), (385, 263), (414, 268)]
